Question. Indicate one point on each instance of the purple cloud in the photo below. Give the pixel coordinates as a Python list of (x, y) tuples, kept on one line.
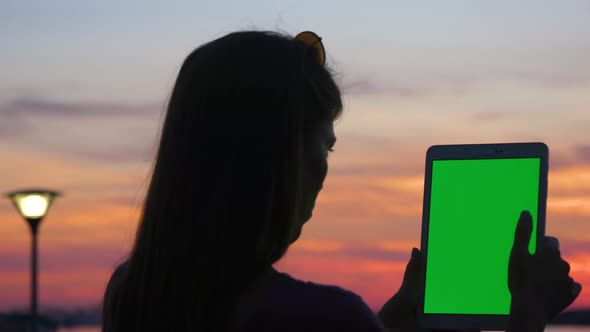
[(110, 154), (75, 109), (83, 130), (64, 259), (583, 153), (580, 156), (360, 250), (368, 86)]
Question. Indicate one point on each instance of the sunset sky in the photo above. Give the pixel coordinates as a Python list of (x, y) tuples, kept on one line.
[(83, 87)]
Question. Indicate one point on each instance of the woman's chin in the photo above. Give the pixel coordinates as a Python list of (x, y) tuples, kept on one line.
[(306, 219), (295, 235), (297, 232)]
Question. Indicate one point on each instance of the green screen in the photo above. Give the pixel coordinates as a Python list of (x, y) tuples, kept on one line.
[(474, 207)]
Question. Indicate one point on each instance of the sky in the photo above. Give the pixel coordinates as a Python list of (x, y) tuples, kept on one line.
[(83, 87)]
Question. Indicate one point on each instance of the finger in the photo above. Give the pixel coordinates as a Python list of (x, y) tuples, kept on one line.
[(412, 273), (565, 266), (415, 259), (522, 235), (550, 248), (551, 242), (576, 290)]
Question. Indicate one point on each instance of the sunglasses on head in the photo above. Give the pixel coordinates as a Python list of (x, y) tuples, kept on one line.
[(313, 42)]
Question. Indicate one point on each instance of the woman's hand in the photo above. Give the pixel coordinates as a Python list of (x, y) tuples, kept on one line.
[(540, 284), (399, 313)]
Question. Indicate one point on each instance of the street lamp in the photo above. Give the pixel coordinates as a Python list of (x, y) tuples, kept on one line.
[(33, 205)]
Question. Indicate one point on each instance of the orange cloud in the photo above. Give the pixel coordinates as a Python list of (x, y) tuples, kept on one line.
[(374, 280), (367, 219), (362, 268), (77, 286)]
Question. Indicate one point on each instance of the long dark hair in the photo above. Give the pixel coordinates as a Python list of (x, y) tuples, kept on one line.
[(224, 195)]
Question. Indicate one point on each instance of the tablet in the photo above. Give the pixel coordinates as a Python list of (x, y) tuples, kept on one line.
[(473, 197)]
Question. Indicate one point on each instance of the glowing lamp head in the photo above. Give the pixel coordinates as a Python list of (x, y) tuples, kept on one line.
[(32, 204)]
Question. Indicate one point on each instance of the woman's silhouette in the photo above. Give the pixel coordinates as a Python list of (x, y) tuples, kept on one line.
[(242, 157)]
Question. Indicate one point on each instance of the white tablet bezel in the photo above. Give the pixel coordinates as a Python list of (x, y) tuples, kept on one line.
[(476, 151)]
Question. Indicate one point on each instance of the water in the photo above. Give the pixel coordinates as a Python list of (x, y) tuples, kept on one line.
[(561, 328), (567, 328), (82, 329)]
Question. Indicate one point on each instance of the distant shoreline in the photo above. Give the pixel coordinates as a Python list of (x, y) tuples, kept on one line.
[(579, 317), (77, 319)]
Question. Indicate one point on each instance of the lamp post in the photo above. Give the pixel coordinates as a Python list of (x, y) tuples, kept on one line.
[(33, 205)]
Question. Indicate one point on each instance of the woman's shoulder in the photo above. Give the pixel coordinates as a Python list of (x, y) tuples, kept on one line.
[(109, 300), (309, 305), (118, 274), (115, 282), (308, 290)]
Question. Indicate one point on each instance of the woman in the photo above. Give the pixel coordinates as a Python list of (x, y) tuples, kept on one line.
[(242, 157)]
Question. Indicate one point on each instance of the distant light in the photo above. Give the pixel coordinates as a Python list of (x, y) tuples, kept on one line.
[(33, 204)]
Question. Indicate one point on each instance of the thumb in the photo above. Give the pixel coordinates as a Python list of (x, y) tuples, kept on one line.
[(412, 273), (400, 308), (522, 235)]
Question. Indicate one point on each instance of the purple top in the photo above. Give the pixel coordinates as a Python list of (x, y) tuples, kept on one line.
[(278, 302), (282, 303)]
